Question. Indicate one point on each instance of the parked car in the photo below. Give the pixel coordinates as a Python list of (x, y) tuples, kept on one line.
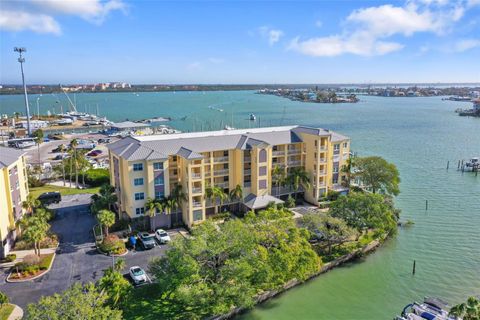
[(61, 156), (94, 153), (146, 240), (104, 140), (50, 197), (162, 236), (59, 148), (138, 275)]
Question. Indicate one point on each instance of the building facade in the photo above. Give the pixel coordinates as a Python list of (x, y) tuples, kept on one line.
[(13, 191), (151, 166)]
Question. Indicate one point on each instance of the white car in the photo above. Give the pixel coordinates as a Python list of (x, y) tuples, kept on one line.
[(138, 275), (162, 236)]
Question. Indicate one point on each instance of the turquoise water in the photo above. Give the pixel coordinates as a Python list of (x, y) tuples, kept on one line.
[(418, 134)]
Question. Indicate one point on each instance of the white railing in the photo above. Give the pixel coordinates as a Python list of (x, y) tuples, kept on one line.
[(294, 151), (196, 175), (222, 184), (196, 204), (220, 159), (247, 159), (322, 160), (247, 172), (294, 163), (278, 153), (323, 148), (223, 172), (197, 190)]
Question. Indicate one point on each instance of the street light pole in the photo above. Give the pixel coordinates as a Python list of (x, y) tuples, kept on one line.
[(21, 59), (38, 109)]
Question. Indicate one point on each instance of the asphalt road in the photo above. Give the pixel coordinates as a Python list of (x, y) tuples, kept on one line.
[(77, 259)]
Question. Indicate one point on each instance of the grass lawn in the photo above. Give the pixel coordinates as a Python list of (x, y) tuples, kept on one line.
[(35, 192), (5, 311)]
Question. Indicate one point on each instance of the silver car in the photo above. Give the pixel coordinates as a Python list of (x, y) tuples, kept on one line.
[(138, 275)]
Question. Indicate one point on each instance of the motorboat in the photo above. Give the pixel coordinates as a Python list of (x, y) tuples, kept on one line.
[(252, 117), (430, 309)]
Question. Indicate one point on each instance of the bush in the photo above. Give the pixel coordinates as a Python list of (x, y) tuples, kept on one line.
[(112, 244), (10, 257), (290, 203), (31, 260), (97, 177), (220, 216), (34, 182), (3, 299)]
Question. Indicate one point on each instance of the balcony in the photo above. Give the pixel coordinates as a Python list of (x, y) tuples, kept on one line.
[(323, 148), (223, 172), (279, 153), (196, 175), (206, 161), (247, 172), (294, 163), (222, 184), (322, 160), (220, 159), (322, 172), (247, 159), (294, 151), (196, 204), (208, 174), (196, 190), (247, 184)]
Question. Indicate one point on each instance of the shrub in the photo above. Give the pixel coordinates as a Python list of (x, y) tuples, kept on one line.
[(97, 177), (34, 182), (290, 203), (3, 299), (112, 244), (10, 257)]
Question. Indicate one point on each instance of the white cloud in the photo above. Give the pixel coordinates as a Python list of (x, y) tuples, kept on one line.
[(39, 15), (466, 44), (18, 21), (367, 30), (272, 35)]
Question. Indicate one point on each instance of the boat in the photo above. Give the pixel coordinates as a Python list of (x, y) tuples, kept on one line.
[(430, 309), (227, 127), (252, 117), (473, 163)]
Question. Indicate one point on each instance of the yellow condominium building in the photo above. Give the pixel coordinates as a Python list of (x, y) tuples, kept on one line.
[(151, 166), (13, 191)]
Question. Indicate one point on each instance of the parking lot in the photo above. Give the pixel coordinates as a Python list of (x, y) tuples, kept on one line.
[(77, 259)]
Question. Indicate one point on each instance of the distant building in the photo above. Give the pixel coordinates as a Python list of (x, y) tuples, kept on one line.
[(13, 191), (34, 124)]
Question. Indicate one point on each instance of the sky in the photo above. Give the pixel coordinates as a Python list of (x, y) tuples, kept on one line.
[(240, 42)]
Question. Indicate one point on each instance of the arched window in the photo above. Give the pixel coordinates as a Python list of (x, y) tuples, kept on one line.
[(263, 156)]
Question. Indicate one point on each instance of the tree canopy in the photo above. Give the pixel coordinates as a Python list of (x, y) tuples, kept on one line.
[(377, 174), (77, 302), (467, 311)]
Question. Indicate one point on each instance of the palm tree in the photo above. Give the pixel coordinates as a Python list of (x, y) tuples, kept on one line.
[(105, 198), (278, 175), (347, 169), (38, 137), (106, 219), (153, 206), (169, 204), (73, 145), (215, 194), (297, 178), (30, 204), (35, 230), (237, 194), (83, 165), (177, 197)]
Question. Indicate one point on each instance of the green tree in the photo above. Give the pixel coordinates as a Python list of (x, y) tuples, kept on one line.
[(467, 311), (77, 302), (30, 204), (378, 175), (178, 196), (35, 228), (216, 195), (3, 299), (236, 194), (115, 285), (153, 206), (38, 137), (364, 211), (332, 231), (278, 177), (297, 178), (106, 218), (347, 169), (63, 150), (105, 198), (73, 161)]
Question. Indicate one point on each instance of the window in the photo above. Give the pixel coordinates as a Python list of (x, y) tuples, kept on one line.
[(345, 144), (335, 169), (336, 147), (139, 211), (174, 158), (158, 181), (138, 181), (175, 172), (197, 215), (316, 143), (139, 196), (335, 179), (138, 167), (159, 195), (225, 179), (225, 166), (262, 171), (262, 184), (225, 153), (158, 166), (263, 156)]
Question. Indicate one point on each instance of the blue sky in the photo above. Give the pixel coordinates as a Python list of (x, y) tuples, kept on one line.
[(89, 41)]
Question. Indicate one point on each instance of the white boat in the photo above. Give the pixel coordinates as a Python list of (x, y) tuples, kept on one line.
[(473, 163), (430, 309), (252, 117), (227, 127)]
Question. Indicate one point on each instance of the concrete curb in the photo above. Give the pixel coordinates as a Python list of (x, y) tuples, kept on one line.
[(36, 277)]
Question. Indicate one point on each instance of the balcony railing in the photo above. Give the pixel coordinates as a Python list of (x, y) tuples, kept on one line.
[(220, 159), (206, 161), (247, 172), (322, 160), (222, 184), (278, 153), (196, 190), (247, 184), (294, 151), (294, 163), (323, 148), (247, 159), (208, 173), (221, 172), (196, 204), (196, 175), (279, 191)]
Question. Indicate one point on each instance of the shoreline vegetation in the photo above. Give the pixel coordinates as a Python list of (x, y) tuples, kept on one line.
[(387, 90)]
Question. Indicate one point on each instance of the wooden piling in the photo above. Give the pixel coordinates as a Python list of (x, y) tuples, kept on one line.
[(414, 266), (458, 167), (426, 205), (448, 164)]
